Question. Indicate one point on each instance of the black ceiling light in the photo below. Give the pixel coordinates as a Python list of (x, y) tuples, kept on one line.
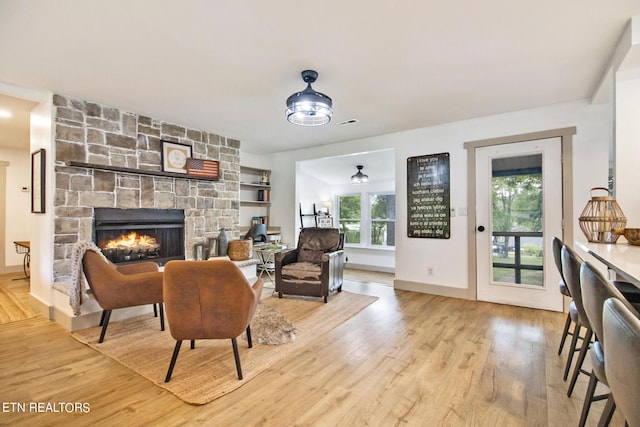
[(359, 177), (309, 108)]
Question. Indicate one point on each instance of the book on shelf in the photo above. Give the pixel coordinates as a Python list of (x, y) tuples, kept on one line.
[(264, 195)]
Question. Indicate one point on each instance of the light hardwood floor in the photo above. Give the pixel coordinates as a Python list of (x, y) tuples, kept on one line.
[(408, 359), (14, 298)]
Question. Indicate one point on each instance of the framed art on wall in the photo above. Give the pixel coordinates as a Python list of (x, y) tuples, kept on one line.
[(428, 196), (174, 157), (37, 181), (325, 222)]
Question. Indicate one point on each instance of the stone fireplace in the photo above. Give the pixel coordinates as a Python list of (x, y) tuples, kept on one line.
[(133, 235), (109, 158)]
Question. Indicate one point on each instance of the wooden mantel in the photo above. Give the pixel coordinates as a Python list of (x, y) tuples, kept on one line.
[(138, 171)]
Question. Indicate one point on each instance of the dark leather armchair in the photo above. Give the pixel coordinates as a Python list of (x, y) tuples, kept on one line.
[(208, 300), (315, 268), (122, 286)]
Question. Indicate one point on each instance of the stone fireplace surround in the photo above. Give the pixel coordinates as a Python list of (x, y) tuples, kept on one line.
[(87, 132)]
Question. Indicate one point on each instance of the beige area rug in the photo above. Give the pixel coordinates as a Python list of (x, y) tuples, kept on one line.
[(208, 372), (12, 309)]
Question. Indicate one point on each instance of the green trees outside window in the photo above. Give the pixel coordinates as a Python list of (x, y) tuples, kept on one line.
[(383, 219), (350, 214), (517, 226), (372, 223)]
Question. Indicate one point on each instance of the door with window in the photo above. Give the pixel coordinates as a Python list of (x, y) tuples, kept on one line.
[(518, 211)]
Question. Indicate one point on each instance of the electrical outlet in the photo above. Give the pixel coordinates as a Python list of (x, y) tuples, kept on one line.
[(430, 271), (453, 212)]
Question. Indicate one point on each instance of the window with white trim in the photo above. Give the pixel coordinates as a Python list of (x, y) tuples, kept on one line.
[(368, 219)]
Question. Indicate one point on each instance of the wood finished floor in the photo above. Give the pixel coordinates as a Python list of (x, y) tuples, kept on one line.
[(408, 359), (14, 298)]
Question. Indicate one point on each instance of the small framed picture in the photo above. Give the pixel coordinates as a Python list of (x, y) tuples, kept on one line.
[(37, 181), (174, 157), (325, 222)]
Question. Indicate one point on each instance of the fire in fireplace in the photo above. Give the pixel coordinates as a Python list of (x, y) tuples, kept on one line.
[(134, 235)]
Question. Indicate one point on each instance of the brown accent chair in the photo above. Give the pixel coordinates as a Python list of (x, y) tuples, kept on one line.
[(208, 300), (622, 338), (315, 268), (123, 286)]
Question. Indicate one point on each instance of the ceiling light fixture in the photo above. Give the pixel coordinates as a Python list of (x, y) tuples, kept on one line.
[(309, 108), (359, 177)]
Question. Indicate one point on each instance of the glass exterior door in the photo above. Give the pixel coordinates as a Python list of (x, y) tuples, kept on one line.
[(518, 211)]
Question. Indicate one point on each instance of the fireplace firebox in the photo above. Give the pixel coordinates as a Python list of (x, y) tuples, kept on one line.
[(135, 235)]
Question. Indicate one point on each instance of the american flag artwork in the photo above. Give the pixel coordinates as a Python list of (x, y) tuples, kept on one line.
[(204, 168)]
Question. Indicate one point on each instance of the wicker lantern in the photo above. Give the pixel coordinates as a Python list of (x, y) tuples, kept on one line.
[(600, 217)]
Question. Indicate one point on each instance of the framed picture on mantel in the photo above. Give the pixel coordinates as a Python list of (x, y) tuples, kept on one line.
[(174, 157)]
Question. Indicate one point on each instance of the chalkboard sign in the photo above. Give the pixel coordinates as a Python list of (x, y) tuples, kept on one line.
[(428, 196)]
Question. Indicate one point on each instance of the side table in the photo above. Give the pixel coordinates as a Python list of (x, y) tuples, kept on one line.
[(24, 247), (267, 259)]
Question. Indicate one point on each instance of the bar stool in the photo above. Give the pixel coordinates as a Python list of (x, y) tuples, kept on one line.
[(571, 263), (572, 315), (622, 338), (596, 289)]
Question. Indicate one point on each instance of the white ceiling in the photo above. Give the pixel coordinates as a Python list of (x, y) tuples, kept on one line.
[(228, 67), (338, 170)]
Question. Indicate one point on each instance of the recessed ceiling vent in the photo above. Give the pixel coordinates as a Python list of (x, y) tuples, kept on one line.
[(348, 122)]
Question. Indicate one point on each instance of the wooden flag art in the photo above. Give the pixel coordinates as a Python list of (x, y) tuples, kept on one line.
[(203, 168)]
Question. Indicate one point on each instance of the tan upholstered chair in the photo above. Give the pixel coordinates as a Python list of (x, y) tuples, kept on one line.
[(621, 335), (315, 268), (208, 300), (122, 286)]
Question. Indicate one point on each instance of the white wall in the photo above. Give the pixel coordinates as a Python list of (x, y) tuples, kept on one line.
[(628, 145), (18, 203), (625, 64), (448, 257), (41, 225), (310, 189)]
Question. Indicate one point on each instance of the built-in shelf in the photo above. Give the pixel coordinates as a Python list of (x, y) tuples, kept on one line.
[(138, 171), (253, 184), (255, 194), (254, 203)]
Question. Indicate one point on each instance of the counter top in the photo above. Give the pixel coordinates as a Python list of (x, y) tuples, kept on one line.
[(622, 258)]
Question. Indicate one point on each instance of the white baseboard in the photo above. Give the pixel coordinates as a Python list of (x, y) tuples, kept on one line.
[(87, 320), (40, 307), (427, 288), (366, 267)]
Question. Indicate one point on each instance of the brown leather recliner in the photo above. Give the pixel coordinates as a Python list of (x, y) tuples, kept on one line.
[(315, 268), (122, 286), (208, 300)]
